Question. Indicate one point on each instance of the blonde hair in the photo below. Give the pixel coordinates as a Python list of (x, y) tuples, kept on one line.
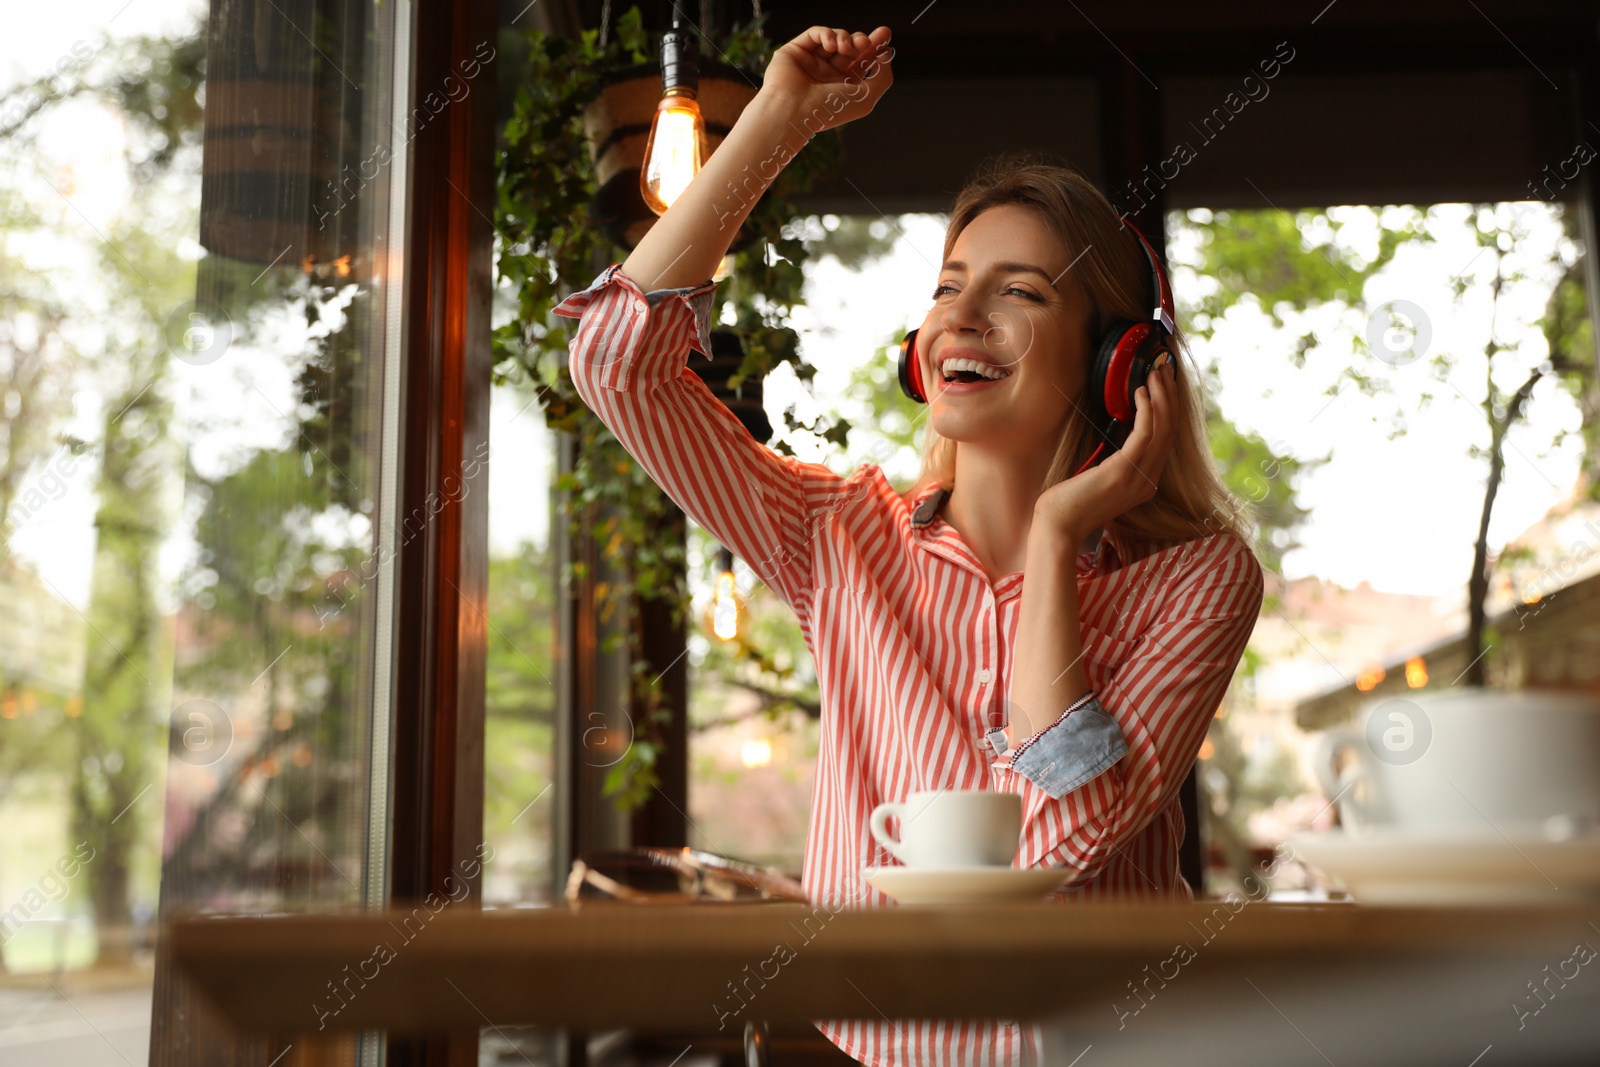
[(1190, 500)]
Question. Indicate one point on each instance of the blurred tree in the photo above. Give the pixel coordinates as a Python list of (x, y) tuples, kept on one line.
[(1281, 262), (153, 86), (279, 590), (855, 241), (124, 682), (520, 717), (1569, 333), (37, 368), (126, 675), (1503, 231)]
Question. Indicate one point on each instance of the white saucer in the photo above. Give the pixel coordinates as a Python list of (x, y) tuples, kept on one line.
[(966, 885), (1393, 866)]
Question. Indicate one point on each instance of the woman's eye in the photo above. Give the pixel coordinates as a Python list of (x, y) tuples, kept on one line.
[(941, 290), (1022, 292)]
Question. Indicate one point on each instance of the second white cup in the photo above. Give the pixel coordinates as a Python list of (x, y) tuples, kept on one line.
[(952, 828)]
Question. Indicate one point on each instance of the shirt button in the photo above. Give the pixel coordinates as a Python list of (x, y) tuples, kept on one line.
[(639, 305), (985, 675)]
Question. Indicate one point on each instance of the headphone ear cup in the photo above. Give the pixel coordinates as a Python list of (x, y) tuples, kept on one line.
[(1123, 365), (911, 369), (1103, 391)]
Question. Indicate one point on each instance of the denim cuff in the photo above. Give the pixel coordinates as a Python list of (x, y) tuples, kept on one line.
[(700, 299), (1084, 741)]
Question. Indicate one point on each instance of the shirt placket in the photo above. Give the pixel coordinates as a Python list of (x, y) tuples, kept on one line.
[(985, 671), (1005, 607)]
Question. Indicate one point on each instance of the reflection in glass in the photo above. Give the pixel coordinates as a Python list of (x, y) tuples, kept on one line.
[(277, 690)]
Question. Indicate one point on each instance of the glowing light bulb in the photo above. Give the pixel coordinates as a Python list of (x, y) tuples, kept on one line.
[(675, 151), (725, 610), (676, 148), (756, 752), (1416, 672)]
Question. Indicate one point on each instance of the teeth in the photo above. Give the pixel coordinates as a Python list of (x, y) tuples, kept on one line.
[(987, 370)]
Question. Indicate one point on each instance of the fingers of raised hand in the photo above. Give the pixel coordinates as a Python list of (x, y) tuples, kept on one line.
[(821, 40), (1150, 443), (844, 44)]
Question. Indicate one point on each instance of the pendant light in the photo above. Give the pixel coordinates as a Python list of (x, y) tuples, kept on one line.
[(676, 148), (727, 606)]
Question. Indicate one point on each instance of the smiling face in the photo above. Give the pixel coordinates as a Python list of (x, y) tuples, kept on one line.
[(1010, 327)]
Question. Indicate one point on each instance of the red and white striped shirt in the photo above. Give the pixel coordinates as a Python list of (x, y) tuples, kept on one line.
[(913, 644)]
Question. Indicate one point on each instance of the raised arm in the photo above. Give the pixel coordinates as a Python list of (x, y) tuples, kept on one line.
[(640, 321)]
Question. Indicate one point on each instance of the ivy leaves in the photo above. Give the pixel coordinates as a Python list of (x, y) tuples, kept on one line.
[(551, 244)]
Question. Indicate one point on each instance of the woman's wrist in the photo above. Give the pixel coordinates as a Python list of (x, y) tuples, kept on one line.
[(775, 118), (1052, 536)]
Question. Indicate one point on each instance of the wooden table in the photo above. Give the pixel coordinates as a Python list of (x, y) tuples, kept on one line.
[(1235, 983)]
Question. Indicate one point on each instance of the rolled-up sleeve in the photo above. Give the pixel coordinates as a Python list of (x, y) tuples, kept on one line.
[(1092, 782), (1079, 745), (629, 363)]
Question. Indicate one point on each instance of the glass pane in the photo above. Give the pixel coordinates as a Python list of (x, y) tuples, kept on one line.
[(194, 355), (100, 157), (519, 801), (267, 791)]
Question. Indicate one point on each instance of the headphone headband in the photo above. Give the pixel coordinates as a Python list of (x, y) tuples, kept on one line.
[(1163, 313)]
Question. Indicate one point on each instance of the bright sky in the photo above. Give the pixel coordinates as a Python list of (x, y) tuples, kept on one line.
[(1398, 513)]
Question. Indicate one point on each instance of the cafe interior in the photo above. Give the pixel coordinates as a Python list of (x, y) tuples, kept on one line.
[(478, 750)]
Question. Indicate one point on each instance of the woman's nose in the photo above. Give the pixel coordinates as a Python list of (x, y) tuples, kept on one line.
[(964, 313)]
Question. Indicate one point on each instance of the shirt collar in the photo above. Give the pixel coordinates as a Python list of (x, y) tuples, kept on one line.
[(926, 502)]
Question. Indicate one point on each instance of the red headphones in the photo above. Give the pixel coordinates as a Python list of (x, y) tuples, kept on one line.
[(1122, 362)]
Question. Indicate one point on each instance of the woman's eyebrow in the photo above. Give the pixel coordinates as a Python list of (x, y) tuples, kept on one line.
[(1007, 267)]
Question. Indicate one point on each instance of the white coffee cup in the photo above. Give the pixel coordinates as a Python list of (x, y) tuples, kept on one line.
[(952, 828), (1470, 759)]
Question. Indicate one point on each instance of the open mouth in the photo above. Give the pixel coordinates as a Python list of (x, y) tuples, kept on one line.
[(972, 370)]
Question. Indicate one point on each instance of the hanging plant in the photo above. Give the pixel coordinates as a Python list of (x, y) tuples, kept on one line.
[(552, 244)]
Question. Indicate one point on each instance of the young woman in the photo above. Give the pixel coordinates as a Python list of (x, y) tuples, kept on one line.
[(1011, 623)]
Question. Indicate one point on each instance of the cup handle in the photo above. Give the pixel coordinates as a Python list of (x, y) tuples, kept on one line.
[(1351, 811), (880, 828)]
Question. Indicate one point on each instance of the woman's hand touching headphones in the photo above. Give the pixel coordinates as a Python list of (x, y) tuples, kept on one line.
[(827, 77), (1074, 508)]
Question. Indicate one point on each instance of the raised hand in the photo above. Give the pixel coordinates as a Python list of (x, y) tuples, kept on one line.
[(828, 77), (821, 79)]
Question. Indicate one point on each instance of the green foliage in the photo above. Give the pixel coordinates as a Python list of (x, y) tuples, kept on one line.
[(1252, 471), (853, 240), (551, 245), (519, 709), (1283, 260), (1569, 333), (897, 421)]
